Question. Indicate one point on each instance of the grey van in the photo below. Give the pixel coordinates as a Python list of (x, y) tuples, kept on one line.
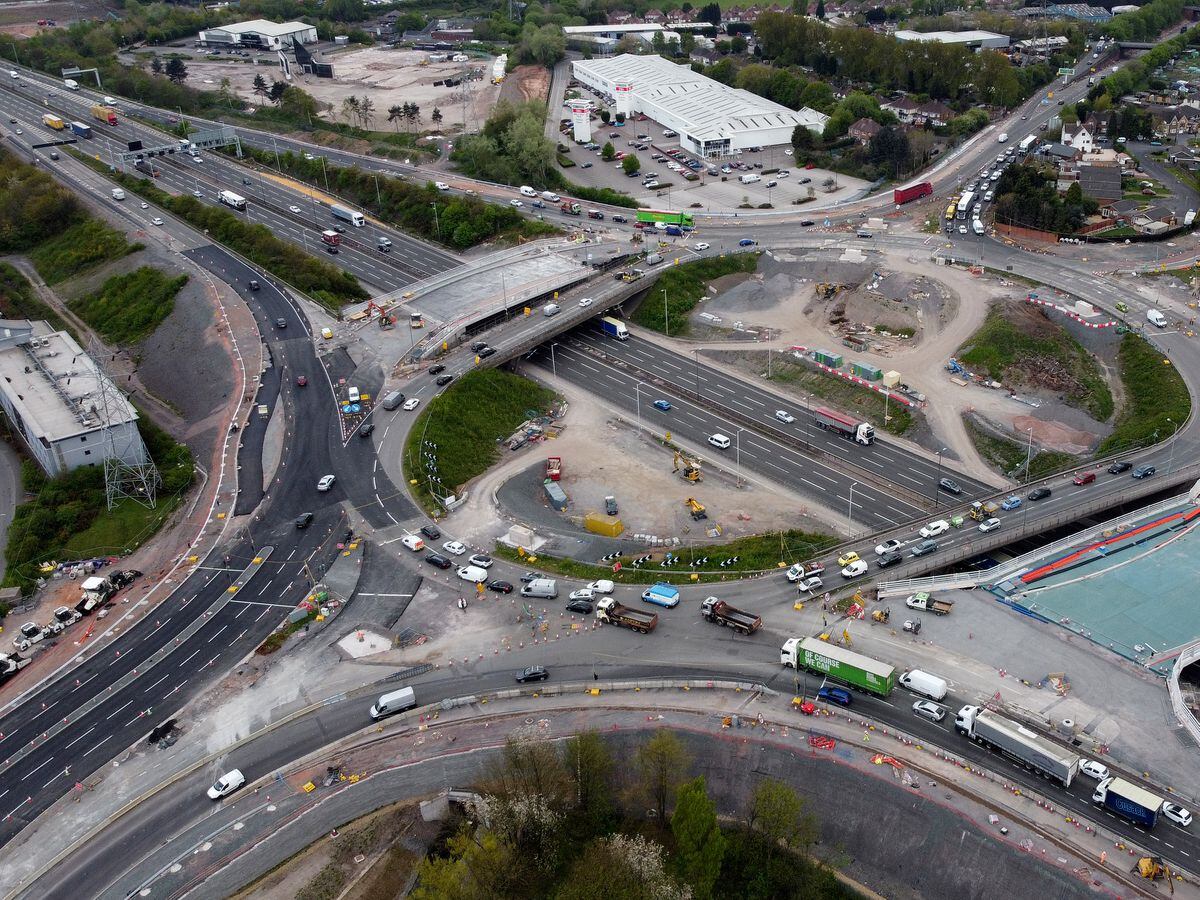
[(394, 702), (541, 588), (392, 400)]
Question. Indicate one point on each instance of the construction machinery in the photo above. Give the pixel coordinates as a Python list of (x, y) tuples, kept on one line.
[(882, 615), (827, 290), (1153, 868), (688, 468), (696, 508), (980, 511), (386, 320)]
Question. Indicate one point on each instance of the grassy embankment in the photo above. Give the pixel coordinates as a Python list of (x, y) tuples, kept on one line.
[(466, 424), (129, 307), (685, 284)]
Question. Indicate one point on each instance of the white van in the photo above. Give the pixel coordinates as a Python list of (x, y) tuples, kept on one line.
[(1003, 139), (1156, 318), (473, 574), (653, 259), (550, 197), (118, 194), (71, 83), (413, 542), (977, 226), (527, 191), (353, 395), (750, 179), (719, 441), (542, 588), (551, 309), (925, 684), (394, 702)]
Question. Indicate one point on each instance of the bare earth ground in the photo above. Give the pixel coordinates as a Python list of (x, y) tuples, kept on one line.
[(526, 83), (21, 18), (387, 77)]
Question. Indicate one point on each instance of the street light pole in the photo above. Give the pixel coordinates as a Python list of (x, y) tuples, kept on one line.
[(1171, 461), (696, 369), (553, 365), (850, 510), (436, 224), (1028, 453), (637, 390), (937, 487), (738, 440), (666, 321)]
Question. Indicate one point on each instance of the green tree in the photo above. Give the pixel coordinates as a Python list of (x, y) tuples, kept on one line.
[(802, 138), (621, 867), (156, 65), (436, 117), (260, 87), (630, 164), (589, 766), (662, 762), (608, 151), (474, 867), (1074, 194), (277, 91), (777, 813), (176, 70), (737, 44), (820, 9), (889, 150), (395, 114), (700, 845), (298, 103), (711, 13)]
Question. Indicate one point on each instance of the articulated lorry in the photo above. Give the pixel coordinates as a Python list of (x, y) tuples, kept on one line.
[(859, 432), (913, 192), (838, 663), (610, 611), (52, 121), (1129, 801), (104, 113), (348, 215), (719, 612), (81, 130), (614, 328), (1017, 742)]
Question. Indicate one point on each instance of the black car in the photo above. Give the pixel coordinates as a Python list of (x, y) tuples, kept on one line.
[(529, 576), (304, 520), (532, 673), (580, 606), (281, 322), (620, 219), (253, 284), (431, 531), (1143, 471), (1118, 467), (888, 559), (339, 229), (500, 587), (436, 559), (366, 429), (443, 380), (950, 486), (123, 578), (477, 346), (434, 370), (807, 223), (1039, 493), (329, 248), (486, 352)]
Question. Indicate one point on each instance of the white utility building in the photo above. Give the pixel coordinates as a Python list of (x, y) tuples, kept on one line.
[(66, 411), (712, 119), (260, 33), (978, 40)]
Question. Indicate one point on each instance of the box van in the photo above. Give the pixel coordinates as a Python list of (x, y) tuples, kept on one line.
[(353, 395), (653, 259), (527, 191), (551, 309), (392, 400), (394, 702), (1156, 318), (542, 588), (473, 574), (413, 542), (925, 684), (118, 194), (750, 179), (719, 441)]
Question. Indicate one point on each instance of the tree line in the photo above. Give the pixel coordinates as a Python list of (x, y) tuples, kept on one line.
[(1145, 23), (560, 823), (1027, 196)]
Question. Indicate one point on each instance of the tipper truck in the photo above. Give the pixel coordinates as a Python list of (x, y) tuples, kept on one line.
[(609, 610), (81, 130), (571, 209), (721, 613), (1016, 741), (614, 328), (1136, 804), (927, 602), (104, 113), (913, 192), (859, 432), (838, 663)]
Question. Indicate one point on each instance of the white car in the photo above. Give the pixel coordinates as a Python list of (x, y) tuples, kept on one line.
[(888, 547), (603, 586), (226, 784), (441, 185), (478, 559), (199, 194), (810, 584), (326, 482), (197, 158), (787, 152), (933, 529), (989, 525), (515, 202), (294, 209), (701, 246), (856, 568), (411, 403), (583, 594), (927, 709), (1093, 769), (454, 548), (1177, 814), (962, 229), (585, 301), (795, 572), (784, 416), (309, 156), (145, 205), (156, 220)]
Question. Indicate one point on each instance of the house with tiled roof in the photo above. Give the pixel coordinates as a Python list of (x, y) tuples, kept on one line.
[(619, 17), (864, 130), (1078, 135), (653, 17), (934, 112), (902, 108)]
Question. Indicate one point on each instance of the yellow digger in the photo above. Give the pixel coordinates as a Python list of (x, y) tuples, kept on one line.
[(696, 508), (688, 468), (1153, 868), (882, 615)]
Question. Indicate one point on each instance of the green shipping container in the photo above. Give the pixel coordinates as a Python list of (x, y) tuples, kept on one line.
[(833, 360), (867, 371), (847, 666)]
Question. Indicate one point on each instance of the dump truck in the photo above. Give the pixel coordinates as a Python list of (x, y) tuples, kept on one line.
[(52, 121), (104, 113), (1129, 801), (859, 432), (1016, 741), (554, 467), (840, 664), (913, 192), (987, 509), (79, 129), (571, 209), (926, 602), (609, 610), (721, 613)]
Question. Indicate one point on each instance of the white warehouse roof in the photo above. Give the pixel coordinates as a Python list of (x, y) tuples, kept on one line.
[(262, 26), (976, 38), (699, 108)]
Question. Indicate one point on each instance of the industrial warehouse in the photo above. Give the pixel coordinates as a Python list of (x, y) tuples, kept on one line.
[(712, 119)]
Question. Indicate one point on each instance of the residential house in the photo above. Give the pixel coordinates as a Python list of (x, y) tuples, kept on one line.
[(864, 130), (1101, 183), (1121, 209), (706, 56), (619, 17), (902, 108), (1061, 153), (653, 17), (1154, 214), (934, 113), (1079, 136)]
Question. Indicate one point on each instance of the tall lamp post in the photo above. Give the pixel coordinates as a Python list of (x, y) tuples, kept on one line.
[(738, 454), (666, 321), (637, 390), (850, 510), (1171, 461), (937, 486), (553, 365), (1028, 453)]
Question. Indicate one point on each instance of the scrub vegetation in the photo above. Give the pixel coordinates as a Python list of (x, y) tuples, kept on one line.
[(684, 286)]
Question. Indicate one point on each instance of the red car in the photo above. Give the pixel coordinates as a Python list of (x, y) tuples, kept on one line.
[(810, 165), (301, 380)]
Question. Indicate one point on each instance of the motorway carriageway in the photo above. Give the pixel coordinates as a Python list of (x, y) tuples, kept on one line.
[(268, 201)]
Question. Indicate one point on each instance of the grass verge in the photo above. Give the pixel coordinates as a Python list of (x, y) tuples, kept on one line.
[(129, 307), (762, 553), (601, 195), (458, 436), (684, 285), (1009, 456), (1157, 400), (83, 246), (18, 301), (1004, 349)]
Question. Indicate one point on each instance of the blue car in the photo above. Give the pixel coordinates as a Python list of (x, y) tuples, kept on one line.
[(1011, 503), (746, 242), (831, 694), (664, 405)]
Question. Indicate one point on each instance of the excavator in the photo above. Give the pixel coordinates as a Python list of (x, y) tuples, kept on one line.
[(696, 508), (688, 468), (1153, 868), (828, 290)]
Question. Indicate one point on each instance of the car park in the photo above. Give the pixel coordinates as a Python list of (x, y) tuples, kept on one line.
[(226, 784), (532, 673), (1093, 769), (933, 529), (1177, 814), (500, 587), (989, 525), (1040, 493), (848, 557), (411, 403), (1011, 502), (927, 709), (454, 548), (810, 584), (436, 559), (326, 482), (1118, 467), (856, 568), (1143, 471)]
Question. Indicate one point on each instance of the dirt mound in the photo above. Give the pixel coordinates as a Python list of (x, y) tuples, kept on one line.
[(526, 83)]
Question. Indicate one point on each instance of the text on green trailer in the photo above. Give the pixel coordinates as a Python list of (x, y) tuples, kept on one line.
[(838, 663)]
